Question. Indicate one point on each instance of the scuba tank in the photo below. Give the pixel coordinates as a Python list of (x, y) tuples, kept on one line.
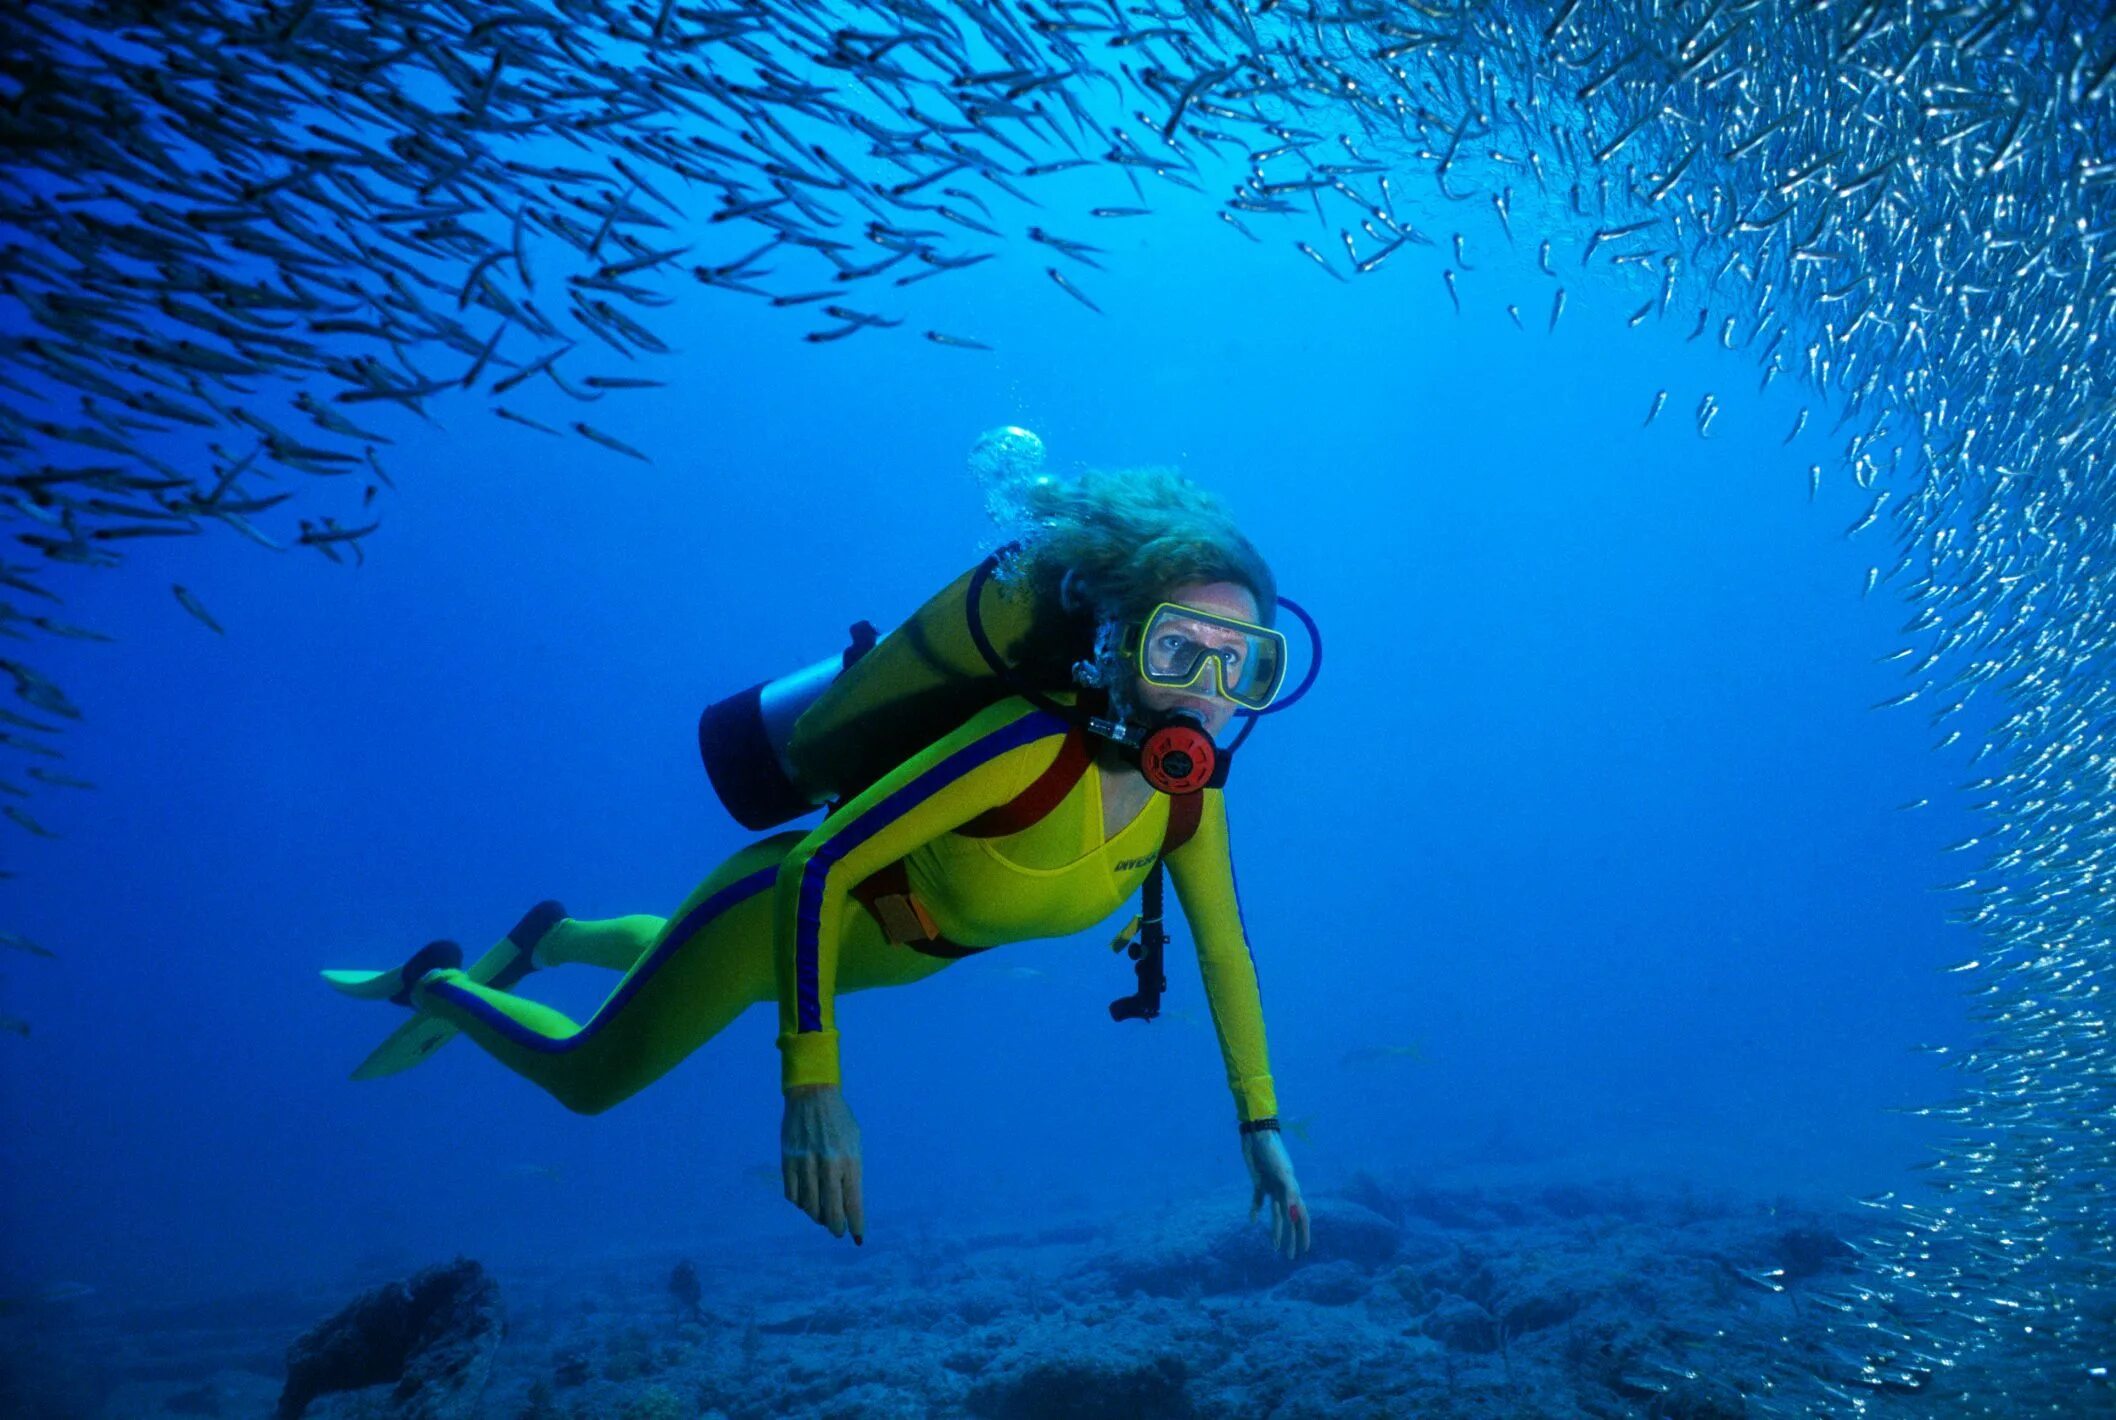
[(819, 735), (743, 738), (768, 768)]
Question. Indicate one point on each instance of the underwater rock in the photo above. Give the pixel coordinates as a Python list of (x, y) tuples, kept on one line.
[(202, 1399), (1090, 1384), (687, 1290), (871, 1400), (1332, 1284), (1218, 1249), (1462, 1325), (572, 1367), (1465, 1209), (433, 1337)]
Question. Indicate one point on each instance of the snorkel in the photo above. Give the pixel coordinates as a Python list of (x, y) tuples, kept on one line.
[(1172, 748)]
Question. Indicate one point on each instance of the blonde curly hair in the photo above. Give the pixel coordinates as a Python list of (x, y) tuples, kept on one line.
[(1119, 540), (1114, 543)]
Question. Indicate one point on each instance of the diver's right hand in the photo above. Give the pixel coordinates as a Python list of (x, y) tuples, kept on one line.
[(819, 1153)]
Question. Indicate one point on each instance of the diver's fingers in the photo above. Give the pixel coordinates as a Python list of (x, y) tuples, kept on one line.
[(833, 1215), (855, 1205), (1278, 1226), (792, 1176), (805, 1198), (1300, 1219), (1256, 1200)]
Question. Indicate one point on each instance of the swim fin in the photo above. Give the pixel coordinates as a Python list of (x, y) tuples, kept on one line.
[(423, 1034), (396, 983), (507, 962)]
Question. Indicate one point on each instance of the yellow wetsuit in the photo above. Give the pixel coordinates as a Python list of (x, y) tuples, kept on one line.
[(776, 922)]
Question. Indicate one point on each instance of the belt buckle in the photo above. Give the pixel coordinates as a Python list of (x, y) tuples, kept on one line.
[(904, 919)]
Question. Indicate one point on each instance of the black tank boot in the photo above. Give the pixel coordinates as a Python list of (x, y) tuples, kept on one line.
[(526, 934), (431, 957)]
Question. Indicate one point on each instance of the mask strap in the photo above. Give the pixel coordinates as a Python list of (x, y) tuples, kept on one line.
[(1314, 665)]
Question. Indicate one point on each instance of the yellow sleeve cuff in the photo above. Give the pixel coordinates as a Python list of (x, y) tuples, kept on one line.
[(808, 1058), (1255, 1098)]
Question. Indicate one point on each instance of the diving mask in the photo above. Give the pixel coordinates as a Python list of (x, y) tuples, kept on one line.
[(1177, 645)]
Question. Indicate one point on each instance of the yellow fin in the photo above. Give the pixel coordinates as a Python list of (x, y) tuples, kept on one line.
[(422, 1035)]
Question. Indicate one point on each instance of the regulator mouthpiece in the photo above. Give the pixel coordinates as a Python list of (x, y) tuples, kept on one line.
[(1177, 756)]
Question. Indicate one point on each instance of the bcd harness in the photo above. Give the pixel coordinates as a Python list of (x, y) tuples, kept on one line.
[(887, 895)]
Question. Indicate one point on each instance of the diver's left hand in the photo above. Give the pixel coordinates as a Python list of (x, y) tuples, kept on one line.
[(1272, 1173)]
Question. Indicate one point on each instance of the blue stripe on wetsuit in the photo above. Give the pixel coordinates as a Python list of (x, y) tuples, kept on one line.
[(686, 927), (1028, 729)]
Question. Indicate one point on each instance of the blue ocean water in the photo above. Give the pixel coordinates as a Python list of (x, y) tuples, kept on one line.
[(1592, 813), (1588, 805)]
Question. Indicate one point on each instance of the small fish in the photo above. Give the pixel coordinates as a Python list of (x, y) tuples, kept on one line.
[(14, 941), (67, 630), (27, 822), (1070, 289), (39, 691), (505, 413), (326, 530), (955, 342), (190, 603), (485, 354), (1449, 278), (13, 1025), (1866, 519), (589, 431), (1319, 259), (56, 779), (1557, 308), (1610, 234), (1799, 423)]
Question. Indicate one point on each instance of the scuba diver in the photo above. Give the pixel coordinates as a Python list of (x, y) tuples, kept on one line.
[(1013, 762)]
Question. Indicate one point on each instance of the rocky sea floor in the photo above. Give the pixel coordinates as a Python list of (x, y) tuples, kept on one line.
[(1577, 1299)]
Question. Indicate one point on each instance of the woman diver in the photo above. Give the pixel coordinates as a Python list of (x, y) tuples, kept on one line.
[(1012, 763)]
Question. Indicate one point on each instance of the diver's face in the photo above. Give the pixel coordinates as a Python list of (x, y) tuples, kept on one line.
[(1201, 697)]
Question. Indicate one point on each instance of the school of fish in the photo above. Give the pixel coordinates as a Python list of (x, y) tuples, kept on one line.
[(234, 230)]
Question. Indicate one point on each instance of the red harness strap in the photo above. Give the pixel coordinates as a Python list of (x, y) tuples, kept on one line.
[(1027, 808), (904, 920), (1184, 811)]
